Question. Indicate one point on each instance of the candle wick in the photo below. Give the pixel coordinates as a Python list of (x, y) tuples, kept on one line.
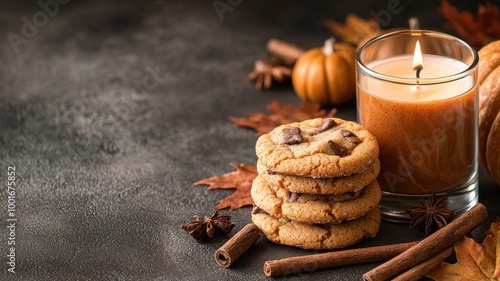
[(418, 68)]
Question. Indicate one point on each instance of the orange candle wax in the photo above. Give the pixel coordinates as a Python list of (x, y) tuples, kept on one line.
[(425, 132)]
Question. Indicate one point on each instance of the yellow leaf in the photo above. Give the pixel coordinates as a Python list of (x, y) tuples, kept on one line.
[(354, 29), (474, 261)]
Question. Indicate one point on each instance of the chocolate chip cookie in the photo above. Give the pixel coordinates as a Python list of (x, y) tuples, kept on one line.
[(313, 208), (317, 236), (311, 185), (320, 148)]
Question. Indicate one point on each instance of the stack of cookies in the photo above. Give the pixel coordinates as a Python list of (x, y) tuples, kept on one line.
[(317, 187)]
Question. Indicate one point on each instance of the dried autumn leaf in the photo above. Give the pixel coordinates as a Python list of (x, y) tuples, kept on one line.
[(355, 28), (241, 180), (474, 261), (477, 31), (281, 114)]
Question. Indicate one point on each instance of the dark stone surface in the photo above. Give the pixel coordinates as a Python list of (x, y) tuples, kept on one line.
[(110, 110)]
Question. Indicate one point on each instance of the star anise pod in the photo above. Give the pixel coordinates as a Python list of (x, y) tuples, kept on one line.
[(266, 72), (203, 229), (431, 216)]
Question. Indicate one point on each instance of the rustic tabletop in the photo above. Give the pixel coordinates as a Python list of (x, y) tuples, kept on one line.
[(111, 110)]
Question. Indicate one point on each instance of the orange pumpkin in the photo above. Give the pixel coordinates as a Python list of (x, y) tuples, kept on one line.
[(326, 75), (489, 108)]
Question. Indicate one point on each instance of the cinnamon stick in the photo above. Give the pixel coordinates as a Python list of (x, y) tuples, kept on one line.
[(420, 270), (284, 49), (430, 246), (314, 262), (237, 245)]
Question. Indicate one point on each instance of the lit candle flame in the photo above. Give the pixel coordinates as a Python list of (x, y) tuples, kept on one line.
[(418, 63)]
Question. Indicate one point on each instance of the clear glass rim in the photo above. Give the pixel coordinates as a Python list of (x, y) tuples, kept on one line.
[(422, 81)]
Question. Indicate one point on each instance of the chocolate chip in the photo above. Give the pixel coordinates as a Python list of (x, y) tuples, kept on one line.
[(328, 123), (257, 210), (338, 149), (350, 136), (293, 197), (271, 172), (292, 135)]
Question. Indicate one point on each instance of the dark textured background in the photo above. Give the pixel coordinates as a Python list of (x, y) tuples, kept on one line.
[(112, 109)]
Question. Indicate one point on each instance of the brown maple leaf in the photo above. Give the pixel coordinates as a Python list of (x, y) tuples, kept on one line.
[(354, 29), (241, 180), (477, 31), (281, 114), (474, 261)]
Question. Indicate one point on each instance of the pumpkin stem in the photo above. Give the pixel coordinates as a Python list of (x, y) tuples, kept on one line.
[(413, 23), (328, 48)]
